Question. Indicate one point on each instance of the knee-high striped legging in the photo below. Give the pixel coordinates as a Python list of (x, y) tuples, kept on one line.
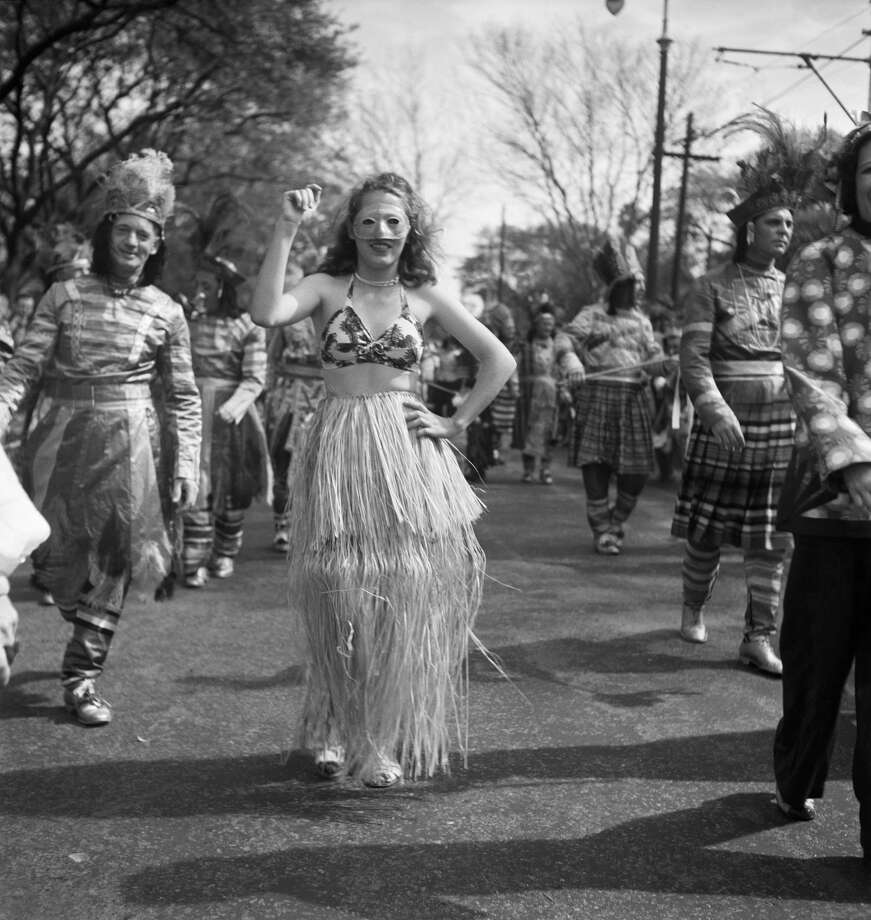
[(763, 574), (207, 535)]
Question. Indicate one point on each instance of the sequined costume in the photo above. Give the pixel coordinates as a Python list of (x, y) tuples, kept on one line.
[(92, 464)]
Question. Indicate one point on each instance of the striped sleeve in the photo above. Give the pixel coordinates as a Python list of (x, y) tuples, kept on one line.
[(182, 397), (695, 354)]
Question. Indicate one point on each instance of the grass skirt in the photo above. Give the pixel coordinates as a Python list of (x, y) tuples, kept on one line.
[(385, 574)]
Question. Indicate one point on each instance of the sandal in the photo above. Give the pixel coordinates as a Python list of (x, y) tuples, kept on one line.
[(527, 477), (330, 762), (546, 478), (385, 773)]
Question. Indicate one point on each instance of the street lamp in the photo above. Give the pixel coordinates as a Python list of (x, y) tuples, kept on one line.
[(614, 6)]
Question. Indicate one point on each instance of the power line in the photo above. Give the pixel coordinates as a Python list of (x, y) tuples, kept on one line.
[(807, 76), (838, 25)]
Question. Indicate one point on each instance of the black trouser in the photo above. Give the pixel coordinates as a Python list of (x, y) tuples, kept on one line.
[(826, 629)]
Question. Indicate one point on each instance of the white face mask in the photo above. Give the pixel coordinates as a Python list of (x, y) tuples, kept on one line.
[(381, 222)]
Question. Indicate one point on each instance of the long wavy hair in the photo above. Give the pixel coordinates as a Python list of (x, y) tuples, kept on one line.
[(417, 261), (101, 261)]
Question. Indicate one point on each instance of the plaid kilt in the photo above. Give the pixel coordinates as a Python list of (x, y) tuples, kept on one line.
[(612, 426), (730, 497)]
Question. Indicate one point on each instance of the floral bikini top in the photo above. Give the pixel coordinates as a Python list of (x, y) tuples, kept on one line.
[(346, 341)]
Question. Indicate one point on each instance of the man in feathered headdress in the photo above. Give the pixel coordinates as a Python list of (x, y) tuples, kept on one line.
[(612, 435), (742, 431), (826, 501), (92, 462)]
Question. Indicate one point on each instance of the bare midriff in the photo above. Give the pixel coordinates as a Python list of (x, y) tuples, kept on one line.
[(365, 379)]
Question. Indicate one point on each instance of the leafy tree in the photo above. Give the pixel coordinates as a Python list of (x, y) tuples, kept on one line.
[(235, 93), (574, 124)]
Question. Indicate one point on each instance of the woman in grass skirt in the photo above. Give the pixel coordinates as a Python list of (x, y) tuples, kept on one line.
[(384, 566)]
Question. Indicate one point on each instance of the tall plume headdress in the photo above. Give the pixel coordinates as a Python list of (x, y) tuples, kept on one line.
[(141, 185), (787, 172)]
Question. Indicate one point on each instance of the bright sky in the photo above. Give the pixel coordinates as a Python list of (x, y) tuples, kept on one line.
[(437, 28)]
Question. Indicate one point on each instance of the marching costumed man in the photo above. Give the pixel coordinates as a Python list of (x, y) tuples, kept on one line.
[(742, 432), (294, 389), (612, 434), (229, 360), (92, 464)]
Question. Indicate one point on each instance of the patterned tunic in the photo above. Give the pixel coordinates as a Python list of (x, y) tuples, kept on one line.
[(93, 463), (730, 365), (827, 354), (229, 360), (612, 413)]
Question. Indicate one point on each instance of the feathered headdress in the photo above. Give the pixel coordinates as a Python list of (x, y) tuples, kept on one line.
[(617, 260), (219, 242), (141, 185), (787, 172)]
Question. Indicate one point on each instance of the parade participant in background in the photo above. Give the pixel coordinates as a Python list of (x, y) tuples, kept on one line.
[(294, 388), (743, 428), (229, 361), (612, 435), (500, 415), (826, 500), (547, 361), (92, 462), (385, 569)]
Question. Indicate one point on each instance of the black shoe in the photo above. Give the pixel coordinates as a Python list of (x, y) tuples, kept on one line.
[(805, 812)]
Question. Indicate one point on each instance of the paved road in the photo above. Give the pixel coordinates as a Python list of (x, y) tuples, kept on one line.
[(620, 773)]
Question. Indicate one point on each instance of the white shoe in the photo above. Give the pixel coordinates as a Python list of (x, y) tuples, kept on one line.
[(692, 627), (757, 652), (197, 579), (222, 566)]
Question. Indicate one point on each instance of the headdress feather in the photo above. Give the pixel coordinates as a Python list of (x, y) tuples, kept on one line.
[(788, 171)]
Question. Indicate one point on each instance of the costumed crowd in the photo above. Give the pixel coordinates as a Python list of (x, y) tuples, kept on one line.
[(147, 400)]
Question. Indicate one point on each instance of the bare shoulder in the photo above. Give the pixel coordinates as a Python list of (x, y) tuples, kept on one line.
[(432, 300)]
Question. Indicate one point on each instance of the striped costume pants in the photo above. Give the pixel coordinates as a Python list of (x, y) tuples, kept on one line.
[(86, 651), (207, 535), (763, 574)]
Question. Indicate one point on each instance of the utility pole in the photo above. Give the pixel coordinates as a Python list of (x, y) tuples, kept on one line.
[(501, 257), (687, 155), (658, 141)]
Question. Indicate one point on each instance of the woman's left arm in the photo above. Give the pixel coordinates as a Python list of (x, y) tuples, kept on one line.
[(495, 364)]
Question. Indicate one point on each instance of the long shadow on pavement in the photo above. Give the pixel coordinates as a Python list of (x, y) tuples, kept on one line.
[(684, 852), (262, 784)]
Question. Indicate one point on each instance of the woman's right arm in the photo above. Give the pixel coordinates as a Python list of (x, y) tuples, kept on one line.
[(270, 304)]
